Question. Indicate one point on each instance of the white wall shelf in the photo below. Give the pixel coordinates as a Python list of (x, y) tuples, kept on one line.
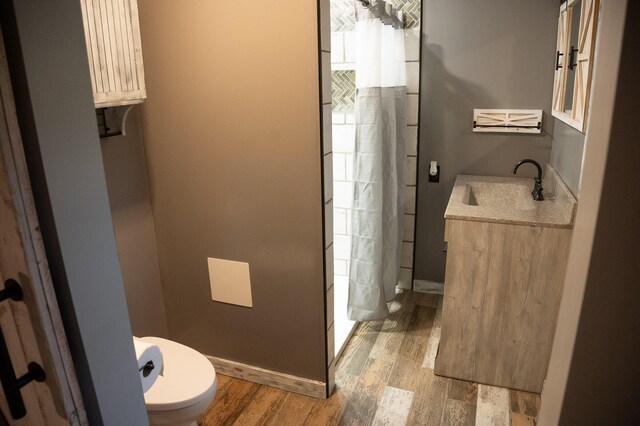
[(507, 120)]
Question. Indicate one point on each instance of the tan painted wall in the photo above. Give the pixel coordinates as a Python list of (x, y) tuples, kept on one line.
[(232, 135), (126, 173)]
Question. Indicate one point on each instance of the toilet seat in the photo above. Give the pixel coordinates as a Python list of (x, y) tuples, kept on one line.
[(188, 377)]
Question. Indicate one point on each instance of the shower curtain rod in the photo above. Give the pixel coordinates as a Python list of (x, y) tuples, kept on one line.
[(386, 13)]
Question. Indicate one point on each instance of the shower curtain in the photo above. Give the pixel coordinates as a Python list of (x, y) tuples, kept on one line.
[(378, 160)]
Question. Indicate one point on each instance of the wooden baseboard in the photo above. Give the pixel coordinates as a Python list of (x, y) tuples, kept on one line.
[(428, 286), (301, 385)]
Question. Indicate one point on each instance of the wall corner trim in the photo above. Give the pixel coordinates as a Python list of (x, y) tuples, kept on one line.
[(287, 382)]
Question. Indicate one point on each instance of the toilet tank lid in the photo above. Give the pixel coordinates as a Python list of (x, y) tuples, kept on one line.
[(188, 377)]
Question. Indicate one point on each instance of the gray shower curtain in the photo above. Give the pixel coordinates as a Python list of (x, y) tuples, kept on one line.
[(379, 158)]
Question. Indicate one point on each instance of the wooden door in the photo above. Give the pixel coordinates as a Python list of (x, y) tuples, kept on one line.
[(31, 327)]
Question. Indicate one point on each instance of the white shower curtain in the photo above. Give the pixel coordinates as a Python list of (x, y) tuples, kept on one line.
[(378, 165)]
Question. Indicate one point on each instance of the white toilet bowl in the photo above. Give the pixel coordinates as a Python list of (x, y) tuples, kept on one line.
[(186, 388)]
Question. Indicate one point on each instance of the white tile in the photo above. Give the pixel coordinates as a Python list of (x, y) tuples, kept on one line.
[(325, 25), (493, 406), (406, 260), (394, 407), (350, 118), (337, 47), (350, 46), (326, 129), (342, 325), (328, 177), (405, 279), (343, 194), (343, 66), (337, 118), (328, 224), (349, 167), (348, 221), (412, 109), (326, 78), (411, 140), (342, 247), (413, 77), (409, 227), (339, 221), (412, 44), (340, 267), (410, 199), (344, 137), (339, 167), (341, 290), (328, 267), (410, 170), (434, 340)]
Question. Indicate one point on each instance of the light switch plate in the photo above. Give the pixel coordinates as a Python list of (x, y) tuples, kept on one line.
[(230, 282)]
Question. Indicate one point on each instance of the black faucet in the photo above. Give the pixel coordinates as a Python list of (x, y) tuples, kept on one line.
[(537, 188)]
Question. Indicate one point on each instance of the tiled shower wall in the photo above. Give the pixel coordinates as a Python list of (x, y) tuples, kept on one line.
[(343, 129)]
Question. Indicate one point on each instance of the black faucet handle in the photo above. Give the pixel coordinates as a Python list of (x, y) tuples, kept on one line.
[(537, 190)]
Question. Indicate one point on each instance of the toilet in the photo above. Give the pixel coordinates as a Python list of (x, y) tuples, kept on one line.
[(185, 390)]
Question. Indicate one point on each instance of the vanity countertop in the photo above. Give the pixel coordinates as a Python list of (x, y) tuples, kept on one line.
[(508, 200)]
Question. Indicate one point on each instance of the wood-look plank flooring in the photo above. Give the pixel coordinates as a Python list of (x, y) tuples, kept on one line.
[(385, 377)]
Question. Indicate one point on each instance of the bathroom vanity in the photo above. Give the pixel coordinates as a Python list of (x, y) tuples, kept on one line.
[(505, 269)]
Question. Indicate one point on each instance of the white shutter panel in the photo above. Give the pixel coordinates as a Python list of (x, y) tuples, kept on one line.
[(584, 62), (112, 34), (560, 61)]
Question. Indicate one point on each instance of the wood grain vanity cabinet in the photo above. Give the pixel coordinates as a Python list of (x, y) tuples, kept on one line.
[(112, 33), (502, 292), (577, 25)]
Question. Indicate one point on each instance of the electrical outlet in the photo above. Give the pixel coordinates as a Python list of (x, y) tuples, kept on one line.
[(435, 178)]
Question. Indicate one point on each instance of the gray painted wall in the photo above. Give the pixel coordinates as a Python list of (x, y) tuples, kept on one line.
[(496, 54), (566, 154), (50, 75), (232, 136), (126, 172)]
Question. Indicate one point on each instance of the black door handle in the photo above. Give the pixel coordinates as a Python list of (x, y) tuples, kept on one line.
[(572, 58), (11, 384), (558, 54)]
